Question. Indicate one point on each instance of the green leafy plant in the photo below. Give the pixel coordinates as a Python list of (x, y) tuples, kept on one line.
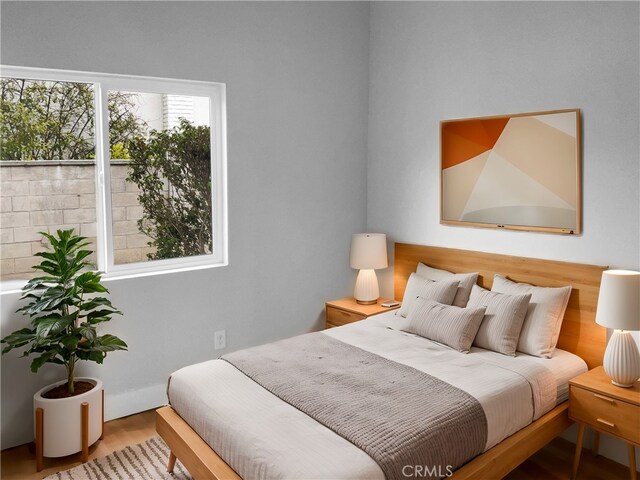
[(65, 309), (172, 169), (46, 120)]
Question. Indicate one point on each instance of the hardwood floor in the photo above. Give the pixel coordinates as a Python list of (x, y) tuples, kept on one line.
[(553, 462)]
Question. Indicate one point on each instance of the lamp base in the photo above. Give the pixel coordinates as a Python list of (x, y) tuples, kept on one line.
[(621, 385), (622, 359), (366, 291)]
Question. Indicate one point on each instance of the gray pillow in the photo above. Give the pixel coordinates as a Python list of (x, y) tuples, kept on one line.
[(452, 326), (502, 322), (467, 280), (544, 317), (441, 292)]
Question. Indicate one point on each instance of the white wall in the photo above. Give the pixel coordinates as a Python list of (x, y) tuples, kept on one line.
[(431, 61), (299, 181), (296, 76)]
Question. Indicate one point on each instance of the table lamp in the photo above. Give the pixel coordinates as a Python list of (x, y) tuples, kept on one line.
[(368, 252), (619, 308)]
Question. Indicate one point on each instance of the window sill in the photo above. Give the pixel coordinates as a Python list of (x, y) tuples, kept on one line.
[(108, 277), (11, 286), (15, 286)]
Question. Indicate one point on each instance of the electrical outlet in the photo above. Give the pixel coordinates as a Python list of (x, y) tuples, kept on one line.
[(220, 339)]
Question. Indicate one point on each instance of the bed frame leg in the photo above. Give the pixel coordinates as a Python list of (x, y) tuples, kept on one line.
[(172, 462)]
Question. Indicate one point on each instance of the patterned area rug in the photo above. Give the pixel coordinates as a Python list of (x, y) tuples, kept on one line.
[(145, 461)]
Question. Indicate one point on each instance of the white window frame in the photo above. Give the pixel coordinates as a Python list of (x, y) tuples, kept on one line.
[(103, 83)]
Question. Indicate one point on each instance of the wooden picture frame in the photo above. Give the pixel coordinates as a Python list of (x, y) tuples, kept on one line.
[(519, 172)]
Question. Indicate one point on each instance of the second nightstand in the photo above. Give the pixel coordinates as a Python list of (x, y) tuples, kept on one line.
[(347, 310), (595, 402)]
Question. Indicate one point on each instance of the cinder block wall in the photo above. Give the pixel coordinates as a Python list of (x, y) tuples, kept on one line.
[(46, 196)]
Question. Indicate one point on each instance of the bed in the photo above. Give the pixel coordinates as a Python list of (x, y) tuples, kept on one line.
[(256, 432)]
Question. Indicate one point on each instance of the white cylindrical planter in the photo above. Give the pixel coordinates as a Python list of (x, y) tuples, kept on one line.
[(62, 419)]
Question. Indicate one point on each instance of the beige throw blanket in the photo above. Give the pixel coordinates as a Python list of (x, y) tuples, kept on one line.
[(412, 424)]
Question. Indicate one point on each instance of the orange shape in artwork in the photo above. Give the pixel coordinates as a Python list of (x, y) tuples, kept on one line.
[(466, 139)]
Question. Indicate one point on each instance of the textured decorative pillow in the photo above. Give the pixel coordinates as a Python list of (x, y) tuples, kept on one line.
[(441, 292), (503, 319), (452, 326), (542, 323), (467, 280)]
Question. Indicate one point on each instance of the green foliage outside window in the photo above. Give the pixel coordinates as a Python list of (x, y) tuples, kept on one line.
[(172, 168), (42, 120)]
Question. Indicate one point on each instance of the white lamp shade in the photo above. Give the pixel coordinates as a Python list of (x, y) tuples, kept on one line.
[(368, 251), (619, 300)]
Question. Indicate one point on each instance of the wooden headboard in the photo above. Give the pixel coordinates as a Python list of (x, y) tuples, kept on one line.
[(579, 335)]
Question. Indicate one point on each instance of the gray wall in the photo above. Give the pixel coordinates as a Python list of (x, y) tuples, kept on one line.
[(296, 76), (299, 179), (433, 61)]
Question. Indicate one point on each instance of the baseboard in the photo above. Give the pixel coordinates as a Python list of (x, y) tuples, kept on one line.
[(134, 401)]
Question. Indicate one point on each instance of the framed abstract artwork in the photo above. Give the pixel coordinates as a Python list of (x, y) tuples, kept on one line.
[(512, 171)]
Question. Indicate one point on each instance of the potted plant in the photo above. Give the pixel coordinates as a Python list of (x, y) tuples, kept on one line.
[(65, 308)]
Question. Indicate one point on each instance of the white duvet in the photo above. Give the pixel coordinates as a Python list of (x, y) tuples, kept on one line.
[(260, 436)]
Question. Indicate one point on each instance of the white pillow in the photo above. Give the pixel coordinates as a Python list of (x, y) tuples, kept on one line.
[(502, 322), (467, 281), (417, 286), (542, 323), (452, 326)]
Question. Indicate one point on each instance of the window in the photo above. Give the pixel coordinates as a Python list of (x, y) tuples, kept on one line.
[(136, 164)]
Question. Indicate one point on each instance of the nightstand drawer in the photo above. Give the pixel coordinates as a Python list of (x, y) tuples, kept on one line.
[(605, 413), (337, 317)]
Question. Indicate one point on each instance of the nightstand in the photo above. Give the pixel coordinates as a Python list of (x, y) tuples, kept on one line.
[(347, 310), (595, 402)]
